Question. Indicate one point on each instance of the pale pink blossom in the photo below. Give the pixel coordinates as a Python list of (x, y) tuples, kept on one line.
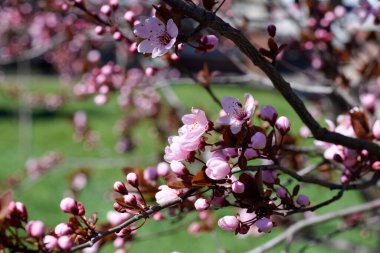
[(35, 228), (283, 125), (64, 242), (178, 168), (217, 168), (228, 223), (195, 124), (50, 242), (62, 229), (236, 113), (132, 179), (158, 37), (376, 129), (165, 194), (178, 149), (238, 187), (201, 204), (163, 169), (303, 200)]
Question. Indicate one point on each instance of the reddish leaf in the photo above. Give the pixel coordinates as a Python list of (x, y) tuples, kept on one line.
[(359, 122), (273, 46), (200, 179), (179, 185)]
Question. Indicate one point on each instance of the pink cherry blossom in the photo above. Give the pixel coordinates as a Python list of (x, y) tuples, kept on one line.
[(236, 113), (64, 242), (62, 229), (238, 187), (158, 37), (195, 124), (179, 148), (303, 200), (50, 242), (165, 194), (228, 223), (163, 169), (35, 228), (132, 179), (201, 204), (178, 168), (217, 168)]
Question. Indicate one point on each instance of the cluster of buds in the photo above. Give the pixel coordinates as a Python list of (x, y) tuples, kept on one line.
[(35, 167), (355, 163)]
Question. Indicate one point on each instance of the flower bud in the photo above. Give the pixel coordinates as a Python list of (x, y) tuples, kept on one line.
[(21, 210), (50, 242), (124, 232), (228, 223), (376, 129), (376, 165), (194, 228), (120, 188), (130, 199), (163, 169), (201, 204), (271, 29), (129, 16), (150, 174), (132, 179), (237, 187), (35, 228), (69, 205), (158, 216), (64, 242), (269, 176), (105, 9), (259, 140), (114, 4), (283, 125), (178, 168), (117, 36), (281, 193), (118, 208), (81, 209), (62, 229), (368, 100), (264, 225), (99, 30), (303, 200), (268, 113)]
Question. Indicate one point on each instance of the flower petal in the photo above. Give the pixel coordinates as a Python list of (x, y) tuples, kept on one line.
[(145, 47), (249, 104), (172, 28), (155, 26), (159, 51), (231, 106)]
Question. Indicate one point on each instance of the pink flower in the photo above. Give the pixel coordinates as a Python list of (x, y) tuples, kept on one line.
[(236, 113), (201, 204), (69, 205), (158, 38), (165, 194), (264, 225), (178, 168), (178, 150), (368, 100), (259, 140), (195, 124), (376, 129), (229, 223), (217, 168), (163, 169), (120, 188), (269, 176), (238, 187), (35, 228)]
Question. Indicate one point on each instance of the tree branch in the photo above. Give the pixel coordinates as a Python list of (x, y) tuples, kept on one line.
[(135, 218), (208, 18), (298, 226)]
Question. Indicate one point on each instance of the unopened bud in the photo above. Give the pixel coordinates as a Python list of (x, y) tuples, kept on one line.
[(120, 188), (132, 179)]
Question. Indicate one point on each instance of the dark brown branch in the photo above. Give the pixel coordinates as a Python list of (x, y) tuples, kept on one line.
[(209, 19), (135, 218), (312, 180)]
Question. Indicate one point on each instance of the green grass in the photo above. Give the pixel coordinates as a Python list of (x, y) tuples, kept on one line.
[(54, 133)]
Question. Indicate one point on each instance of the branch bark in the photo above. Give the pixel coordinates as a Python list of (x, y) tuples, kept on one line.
[(209, 19)]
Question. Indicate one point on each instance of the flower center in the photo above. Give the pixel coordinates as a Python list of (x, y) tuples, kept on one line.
[(165, 38), (240, 115)]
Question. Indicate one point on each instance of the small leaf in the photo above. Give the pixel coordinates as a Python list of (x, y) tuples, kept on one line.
[(296, 189), (200, 179), (178, 185), (242, 162)]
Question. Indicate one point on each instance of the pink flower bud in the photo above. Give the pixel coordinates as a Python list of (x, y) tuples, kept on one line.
[(228, 223), (264, 225), (281, 193), (81, 209), (268, 113), (132, 179), (117, 36), (62, 229), (21, 210), (133, 47), (64, 242), (114, 4), (118, 208), (129, 16), (120, 188), (283, 125), (163, 169), (376, 165), (105, 9), (178, 168), (35, 228), (201, 204), (217, 168), (376, 129), (303, 200), (124, 232), (208, 43), (368, 100), (69, 205), (238, 187), (269, 176), (99, 30), (259, 140), (158, 216), (50, 242), (150, 174), (130, 199)]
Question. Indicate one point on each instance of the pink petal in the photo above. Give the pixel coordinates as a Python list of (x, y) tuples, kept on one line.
[(231, 105), (145, 47), (141, 30), (155, 26), (172, 28), (157, 51), (249, 104)]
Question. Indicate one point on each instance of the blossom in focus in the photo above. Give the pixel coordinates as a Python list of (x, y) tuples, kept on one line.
[(195, 124), (158, 37), (229, 223), (165, 194), (236, 113), (217, 168)]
